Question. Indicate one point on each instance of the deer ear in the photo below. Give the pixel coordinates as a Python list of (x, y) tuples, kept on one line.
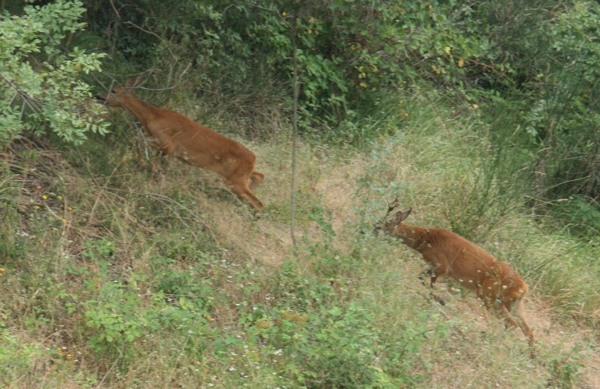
[(132, 81), (399, 217)]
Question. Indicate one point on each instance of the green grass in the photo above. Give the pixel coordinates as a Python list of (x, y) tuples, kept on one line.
[(117, 278)]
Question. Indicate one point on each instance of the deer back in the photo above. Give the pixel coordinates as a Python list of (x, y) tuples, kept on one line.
[(467, 263), (454, 256), (176, 135), (473, 267)]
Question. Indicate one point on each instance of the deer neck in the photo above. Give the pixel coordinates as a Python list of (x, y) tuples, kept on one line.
[(413, 237), (144, 112)]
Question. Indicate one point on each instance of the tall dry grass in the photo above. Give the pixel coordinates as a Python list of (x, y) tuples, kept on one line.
[(117, 278)]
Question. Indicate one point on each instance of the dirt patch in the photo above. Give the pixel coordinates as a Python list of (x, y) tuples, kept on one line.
[(338, 190)]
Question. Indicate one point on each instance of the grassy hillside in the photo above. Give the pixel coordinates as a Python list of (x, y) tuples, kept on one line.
[(113, 277)]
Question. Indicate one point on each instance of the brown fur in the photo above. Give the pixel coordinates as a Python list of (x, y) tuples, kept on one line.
[(176, 135), (449, 254)]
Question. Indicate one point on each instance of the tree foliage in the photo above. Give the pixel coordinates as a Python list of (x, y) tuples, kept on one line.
[(347, 51), (551, 98), (40, 75)]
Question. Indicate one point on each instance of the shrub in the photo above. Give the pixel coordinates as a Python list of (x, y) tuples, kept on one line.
[(40, 75)]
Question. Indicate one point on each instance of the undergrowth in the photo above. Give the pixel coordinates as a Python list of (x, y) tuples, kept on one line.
[(116, 277)]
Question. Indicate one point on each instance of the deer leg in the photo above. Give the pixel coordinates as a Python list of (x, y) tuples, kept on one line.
[(489, 296), (163, 146), (427, 275), (158, 160), (432, 274), (253, 200), (255, 180), (241, 190), (519, 319), (237, 177), (509, 318)]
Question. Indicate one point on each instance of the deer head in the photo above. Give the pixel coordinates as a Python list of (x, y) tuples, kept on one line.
[(397, 218), (115, 96)]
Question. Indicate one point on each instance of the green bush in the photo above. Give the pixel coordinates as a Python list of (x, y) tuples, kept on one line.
[(40, 74), (547, 104), (340, 347), (350, 55)]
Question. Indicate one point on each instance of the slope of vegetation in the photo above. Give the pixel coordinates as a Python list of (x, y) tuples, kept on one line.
[(114, 277), (476, 116)]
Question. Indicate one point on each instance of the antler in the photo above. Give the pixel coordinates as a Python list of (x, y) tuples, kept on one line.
[(391, 206)]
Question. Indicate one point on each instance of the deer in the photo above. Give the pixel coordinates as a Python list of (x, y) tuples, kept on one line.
[(495, 283), (174, 134)]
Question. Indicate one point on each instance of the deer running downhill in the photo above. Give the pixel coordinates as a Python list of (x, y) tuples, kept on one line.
[(496, 284), (178, 136)]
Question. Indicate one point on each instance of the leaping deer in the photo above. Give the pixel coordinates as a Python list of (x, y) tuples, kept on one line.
[(178, 136), (494, 282)]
